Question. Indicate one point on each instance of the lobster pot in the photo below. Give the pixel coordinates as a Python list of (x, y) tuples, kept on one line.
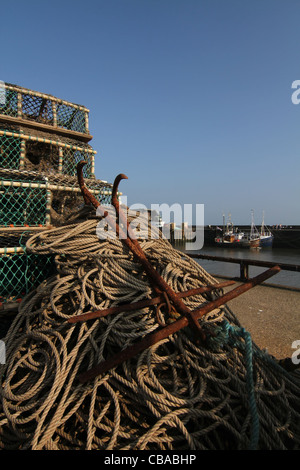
[(27, 205), (28, 105), (20, 271), (10, 151), (24, 203), (29, 152), (67, 202), (42, 140), (29, 199)]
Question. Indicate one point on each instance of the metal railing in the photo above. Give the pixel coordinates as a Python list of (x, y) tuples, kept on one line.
[(245, 263)]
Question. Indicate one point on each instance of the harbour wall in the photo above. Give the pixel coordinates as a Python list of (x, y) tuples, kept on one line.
[(284, 237)]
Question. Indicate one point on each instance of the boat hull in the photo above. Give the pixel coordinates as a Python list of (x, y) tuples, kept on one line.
[(229, 244), (251, 243), (266, 241), (237, 243)]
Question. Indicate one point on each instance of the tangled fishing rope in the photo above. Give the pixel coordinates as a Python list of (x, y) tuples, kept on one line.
[(175, 395)]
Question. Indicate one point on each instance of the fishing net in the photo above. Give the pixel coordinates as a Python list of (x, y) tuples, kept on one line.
[(22, 204), (9, 102), (10, 149), (175, 395), (20, 271)]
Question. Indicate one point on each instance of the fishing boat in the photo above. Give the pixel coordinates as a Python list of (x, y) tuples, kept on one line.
[(249, 242), (266, 236), (231, 237), (258, 239), (252, 240)]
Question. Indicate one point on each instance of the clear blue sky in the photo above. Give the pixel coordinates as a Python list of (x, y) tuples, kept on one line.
[(190, 98)]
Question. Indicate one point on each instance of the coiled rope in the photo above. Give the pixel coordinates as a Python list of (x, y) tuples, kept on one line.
[(229, 334), (175, 395)]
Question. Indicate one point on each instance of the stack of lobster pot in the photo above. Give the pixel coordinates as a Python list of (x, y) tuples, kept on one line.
[(42, 139)]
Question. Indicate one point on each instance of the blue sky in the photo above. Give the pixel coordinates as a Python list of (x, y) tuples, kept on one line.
[(191, 99)]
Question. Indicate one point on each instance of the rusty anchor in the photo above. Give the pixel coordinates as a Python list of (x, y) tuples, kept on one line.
[(160, 299), (159, 284), (162, 333), (162, 289)]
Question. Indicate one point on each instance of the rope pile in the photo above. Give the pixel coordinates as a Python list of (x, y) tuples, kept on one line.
[(175, 395)]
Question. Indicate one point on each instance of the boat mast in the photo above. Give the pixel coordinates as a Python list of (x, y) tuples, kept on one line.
[(229, 223), (253, 232), (262, 230)]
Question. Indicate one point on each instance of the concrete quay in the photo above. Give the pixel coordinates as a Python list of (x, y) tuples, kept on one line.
[(271, 315)]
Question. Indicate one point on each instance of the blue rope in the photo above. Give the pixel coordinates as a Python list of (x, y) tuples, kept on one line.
[(228, 334)]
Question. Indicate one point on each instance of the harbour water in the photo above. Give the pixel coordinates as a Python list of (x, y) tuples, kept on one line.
[(273, 255)]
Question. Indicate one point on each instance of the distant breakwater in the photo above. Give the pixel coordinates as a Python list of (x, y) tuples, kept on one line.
[(284, 237)]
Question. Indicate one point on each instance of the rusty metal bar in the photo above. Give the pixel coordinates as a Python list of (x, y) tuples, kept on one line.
[(157, 281), (174, 327), (145, 303)]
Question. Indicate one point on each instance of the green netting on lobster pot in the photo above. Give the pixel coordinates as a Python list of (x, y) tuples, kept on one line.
[(21, 273), (71, 117), (10, 149), (9, 103), (22, 204), (71, 157)]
